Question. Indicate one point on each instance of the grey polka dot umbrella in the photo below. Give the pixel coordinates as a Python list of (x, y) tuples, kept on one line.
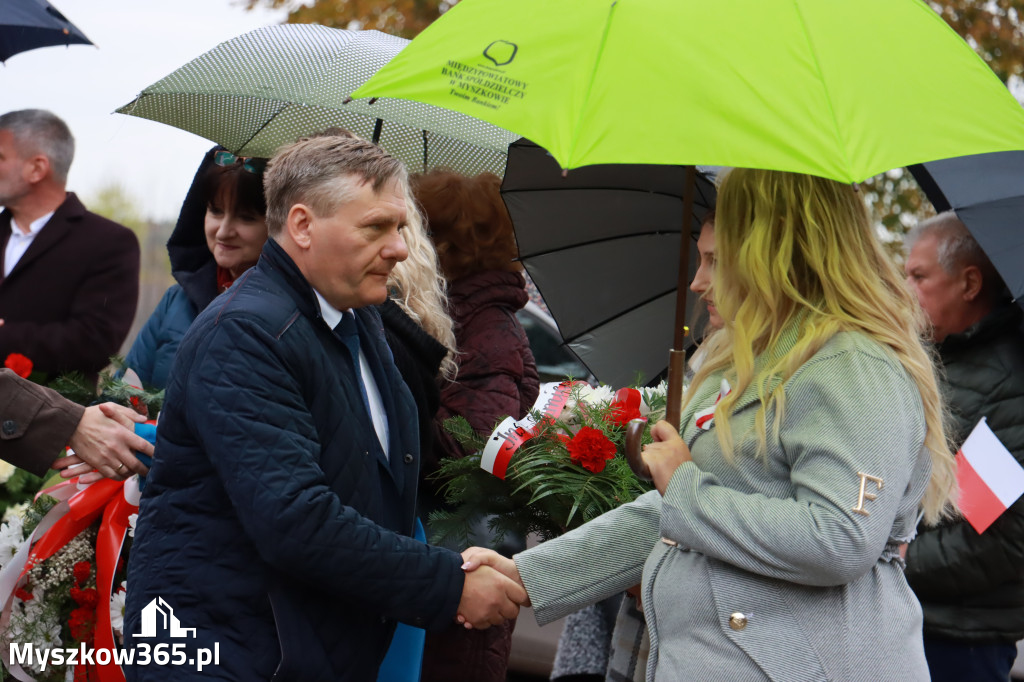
[(270, 86)]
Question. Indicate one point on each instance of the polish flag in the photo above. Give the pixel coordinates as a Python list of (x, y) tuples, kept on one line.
[(990, 478)]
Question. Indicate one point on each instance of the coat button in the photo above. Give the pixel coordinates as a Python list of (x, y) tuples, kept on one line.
[(737, 621), (10, 427), (670, 543), (407, 458)]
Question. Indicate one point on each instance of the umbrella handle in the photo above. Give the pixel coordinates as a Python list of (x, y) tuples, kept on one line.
[(673, 410), (634, 432)]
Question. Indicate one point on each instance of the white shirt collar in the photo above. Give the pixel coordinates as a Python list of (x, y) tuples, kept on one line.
[(34, 226), (332, 316)]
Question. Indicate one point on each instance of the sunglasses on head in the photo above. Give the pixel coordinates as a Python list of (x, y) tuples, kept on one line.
[(252, 164)]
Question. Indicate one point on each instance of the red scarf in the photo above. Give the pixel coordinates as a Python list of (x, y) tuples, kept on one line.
[(224, 280)]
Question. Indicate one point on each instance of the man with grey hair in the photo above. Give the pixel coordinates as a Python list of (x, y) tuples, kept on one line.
[(278, 516), (69, 280), (971, 586)]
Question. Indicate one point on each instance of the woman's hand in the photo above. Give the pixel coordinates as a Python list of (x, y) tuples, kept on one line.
[(665, 454)]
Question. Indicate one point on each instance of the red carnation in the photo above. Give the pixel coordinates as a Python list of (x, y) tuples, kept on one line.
[(591, 449), (86, 598), (82, 623), (23, 594), (625, 407), (81, 572), (19, 364)]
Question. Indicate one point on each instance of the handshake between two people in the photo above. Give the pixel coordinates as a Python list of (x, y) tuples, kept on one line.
[(492, 592)]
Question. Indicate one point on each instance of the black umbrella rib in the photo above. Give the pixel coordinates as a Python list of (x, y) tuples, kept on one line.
[(574, 245), (282, 107), (625, 311)]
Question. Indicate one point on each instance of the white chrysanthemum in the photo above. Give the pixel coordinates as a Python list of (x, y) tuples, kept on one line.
[(117, 601), (661, 390), (132, 520), (602, 395), (15, 511), (594, 397), (6, 471), (69, 674), (12, 536)]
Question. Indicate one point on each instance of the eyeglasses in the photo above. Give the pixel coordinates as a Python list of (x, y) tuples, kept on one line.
[(252, 164)]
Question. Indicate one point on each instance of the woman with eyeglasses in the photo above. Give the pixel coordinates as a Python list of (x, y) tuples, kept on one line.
[(219, 234)]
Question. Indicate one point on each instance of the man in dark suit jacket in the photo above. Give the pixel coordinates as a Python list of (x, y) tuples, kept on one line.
[(70, 278)]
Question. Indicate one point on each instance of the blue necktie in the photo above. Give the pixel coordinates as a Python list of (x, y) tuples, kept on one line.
[(349, 335)]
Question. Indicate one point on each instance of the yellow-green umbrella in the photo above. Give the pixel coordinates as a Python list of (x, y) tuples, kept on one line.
[(843, 89)]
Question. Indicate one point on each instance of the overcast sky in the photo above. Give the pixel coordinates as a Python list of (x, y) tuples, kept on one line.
[(137, 43)]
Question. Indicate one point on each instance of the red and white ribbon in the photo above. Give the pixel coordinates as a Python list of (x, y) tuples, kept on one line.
[(705, 419), (512, 433)]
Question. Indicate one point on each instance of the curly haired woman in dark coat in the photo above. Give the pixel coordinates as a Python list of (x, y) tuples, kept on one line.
[(497, 375)]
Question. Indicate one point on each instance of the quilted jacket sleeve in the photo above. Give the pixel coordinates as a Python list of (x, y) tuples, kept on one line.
[(247, 410)]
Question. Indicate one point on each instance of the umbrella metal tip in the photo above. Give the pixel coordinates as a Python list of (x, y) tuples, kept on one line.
[(565, 172), (346, 100), (373, 100)]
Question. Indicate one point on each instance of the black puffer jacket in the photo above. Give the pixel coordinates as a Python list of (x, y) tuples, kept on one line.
[(972, 586)]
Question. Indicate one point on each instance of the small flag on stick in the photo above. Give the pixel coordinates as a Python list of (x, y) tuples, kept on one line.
[(990, 478)]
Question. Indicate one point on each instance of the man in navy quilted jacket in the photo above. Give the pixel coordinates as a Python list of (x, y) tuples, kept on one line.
[(274, 535)]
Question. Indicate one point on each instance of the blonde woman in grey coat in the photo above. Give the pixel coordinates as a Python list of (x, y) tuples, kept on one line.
[(811, 440)]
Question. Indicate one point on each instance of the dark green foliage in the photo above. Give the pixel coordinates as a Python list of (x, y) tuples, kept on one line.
[(544, 491)]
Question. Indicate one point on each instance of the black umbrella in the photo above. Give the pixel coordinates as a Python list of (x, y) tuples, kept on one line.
[(28, 24), (987, 193), (602, 244)]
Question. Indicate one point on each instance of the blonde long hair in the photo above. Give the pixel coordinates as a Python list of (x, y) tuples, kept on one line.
[(798, 249), (417, 286)]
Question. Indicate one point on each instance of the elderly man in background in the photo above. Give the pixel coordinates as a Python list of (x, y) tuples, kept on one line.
[(278, 516), (971, 586), (70, 278)]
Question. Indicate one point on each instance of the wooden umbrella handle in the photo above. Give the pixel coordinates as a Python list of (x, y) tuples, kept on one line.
[(634, 432), (673, 413)]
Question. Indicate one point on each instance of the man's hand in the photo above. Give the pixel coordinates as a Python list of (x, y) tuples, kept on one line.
[(489, 598), (475, 557), (105, 440), (665, 454)]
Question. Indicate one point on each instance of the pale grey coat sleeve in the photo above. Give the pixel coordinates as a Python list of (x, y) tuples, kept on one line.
[(595, 561), (830, 433)]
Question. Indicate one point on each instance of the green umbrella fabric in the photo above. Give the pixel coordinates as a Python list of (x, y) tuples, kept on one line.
[(270, 86), (844, 89)]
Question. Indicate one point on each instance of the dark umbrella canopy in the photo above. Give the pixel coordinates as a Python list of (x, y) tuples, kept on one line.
[(987, 193), (602, 245), (28, 24)]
